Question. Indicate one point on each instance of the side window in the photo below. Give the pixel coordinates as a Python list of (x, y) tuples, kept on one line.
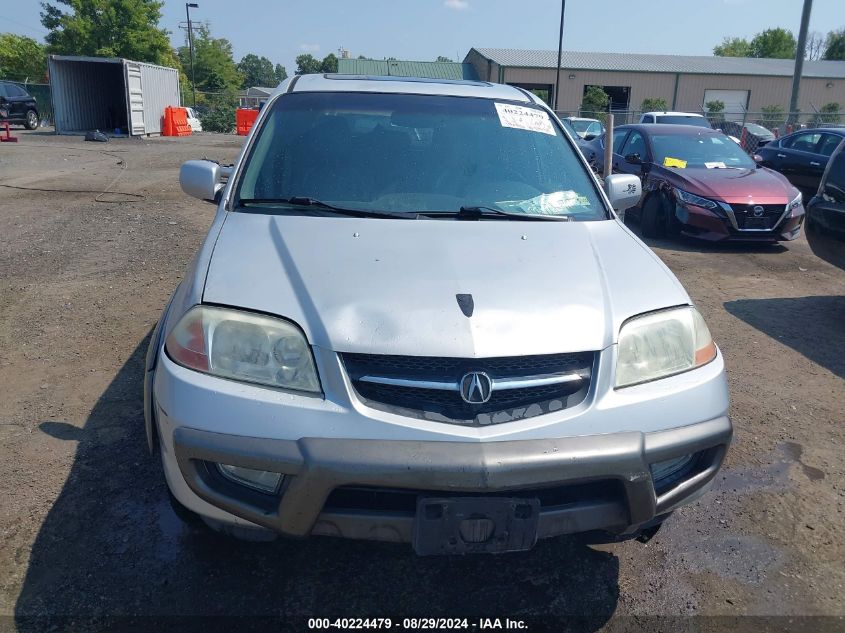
[(834, 186), (3, 90), (829, 143), (648, 118), (618, 137), (14, 91), (804, 142), (594, 129), (635, 145)]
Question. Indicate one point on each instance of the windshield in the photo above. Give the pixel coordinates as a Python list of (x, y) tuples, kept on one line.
[(581, 125), (757, 130), (416, 153), (698, 150), (681, 119)]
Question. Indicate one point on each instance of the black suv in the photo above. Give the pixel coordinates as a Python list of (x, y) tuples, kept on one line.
[(17, 105)]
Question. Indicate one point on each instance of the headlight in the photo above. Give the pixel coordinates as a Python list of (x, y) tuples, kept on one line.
[(243, 346), (662, 344), (691, 198), (796, 202)]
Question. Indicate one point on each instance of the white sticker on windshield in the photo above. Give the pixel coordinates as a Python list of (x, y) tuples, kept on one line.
[(715, 165), (522, 118)]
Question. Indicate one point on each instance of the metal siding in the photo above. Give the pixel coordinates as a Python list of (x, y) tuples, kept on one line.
[(765, 91), (643, 85), (87, 92), (161, 89), (636, 62), (78, 103)]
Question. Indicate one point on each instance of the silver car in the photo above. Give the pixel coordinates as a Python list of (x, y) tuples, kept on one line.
[(417, 318)]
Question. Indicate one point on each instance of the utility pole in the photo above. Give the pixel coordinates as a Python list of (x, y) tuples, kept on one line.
[(188, 7), (799, 59), (559, 54)]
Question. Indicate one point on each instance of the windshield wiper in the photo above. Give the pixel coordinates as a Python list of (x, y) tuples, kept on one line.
[(300, 201), (478, 212)]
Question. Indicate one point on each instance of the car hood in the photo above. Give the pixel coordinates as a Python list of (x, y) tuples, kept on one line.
[(384, 286), (744, 186)]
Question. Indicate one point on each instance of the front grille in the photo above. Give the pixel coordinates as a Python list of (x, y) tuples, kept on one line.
[(747, 220), (442, 405), (404, 501)]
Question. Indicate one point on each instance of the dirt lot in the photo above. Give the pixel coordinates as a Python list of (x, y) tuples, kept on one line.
[(86, 531)]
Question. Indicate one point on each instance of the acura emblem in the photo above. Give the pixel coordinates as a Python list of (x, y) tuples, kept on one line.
[(758, 211), (476, 387)]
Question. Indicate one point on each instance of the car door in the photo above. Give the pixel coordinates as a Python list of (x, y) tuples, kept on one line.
[(800, 162), (634, 145), (16, 97)]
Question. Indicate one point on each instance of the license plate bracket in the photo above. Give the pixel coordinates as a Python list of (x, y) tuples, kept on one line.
[(467, 525)]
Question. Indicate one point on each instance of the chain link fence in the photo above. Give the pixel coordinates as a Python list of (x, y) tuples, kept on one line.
[(751, 130)]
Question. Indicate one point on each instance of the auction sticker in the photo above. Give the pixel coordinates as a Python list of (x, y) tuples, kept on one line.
[(522, 118)]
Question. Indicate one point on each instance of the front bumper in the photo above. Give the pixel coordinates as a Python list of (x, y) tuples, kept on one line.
[(314, 467), (329, 444), (719, 225)]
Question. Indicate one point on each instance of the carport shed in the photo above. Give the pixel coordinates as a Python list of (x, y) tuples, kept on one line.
[(110, 94), (685, 82)]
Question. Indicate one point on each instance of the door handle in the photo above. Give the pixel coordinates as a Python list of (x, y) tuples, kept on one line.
[(781, 155), (815, 164)]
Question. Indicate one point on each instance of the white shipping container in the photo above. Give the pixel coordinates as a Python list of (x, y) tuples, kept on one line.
[(113, 95)]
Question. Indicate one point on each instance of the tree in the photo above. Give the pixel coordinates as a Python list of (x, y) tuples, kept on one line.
[(329, 64), (441, 58), (256, 71), (829, 113), (308, 64), (107, 28), (774, 43), (733, 47), (815, 46), (22, 58), (715, 110), (773, 116), (654, 104), (214, 68), (835, 45), (280, 73), (595, 100)]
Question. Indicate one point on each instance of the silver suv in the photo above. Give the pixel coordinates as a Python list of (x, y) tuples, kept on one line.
[(417, 318)]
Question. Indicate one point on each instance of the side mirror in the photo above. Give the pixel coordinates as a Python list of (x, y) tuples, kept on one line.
[(590, 137), (202, 179), (623, 190), (757, 158), (634, 159)]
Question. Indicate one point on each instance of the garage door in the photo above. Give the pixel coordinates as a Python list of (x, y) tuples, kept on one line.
[(736, 101)]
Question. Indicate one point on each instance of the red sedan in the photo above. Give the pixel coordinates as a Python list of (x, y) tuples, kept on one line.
[(698, 182)]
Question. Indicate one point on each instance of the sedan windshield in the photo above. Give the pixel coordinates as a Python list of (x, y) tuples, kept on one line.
[(698, 150), (417, 154)]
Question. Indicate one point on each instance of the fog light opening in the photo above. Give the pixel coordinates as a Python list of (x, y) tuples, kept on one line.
[(261, 480), (667, 473)]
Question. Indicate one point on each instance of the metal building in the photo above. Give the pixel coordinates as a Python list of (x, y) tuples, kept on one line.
[(113, 95), (685, 82)]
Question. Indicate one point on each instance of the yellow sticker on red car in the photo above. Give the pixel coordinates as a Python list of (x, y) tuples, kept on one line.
[(668, 161)]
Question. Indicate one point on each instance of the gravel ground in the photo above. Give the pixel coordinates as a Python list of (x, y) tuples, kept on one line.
[(86, 530)]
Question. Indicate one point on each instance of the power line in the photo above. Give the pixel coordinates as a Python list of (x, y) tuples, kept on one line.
[(21, 24)]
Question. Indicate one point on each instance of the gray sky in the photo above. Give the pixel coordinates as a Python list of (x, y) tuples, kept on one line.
[(424, 29)]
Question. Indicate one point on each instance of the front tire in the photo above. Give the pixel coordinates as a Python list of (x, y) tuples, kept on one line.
[(654, 216), (31, 121)]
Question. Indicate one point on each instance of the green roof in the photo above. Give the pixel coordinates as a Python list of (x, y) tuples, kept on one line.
[(398, 68)]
